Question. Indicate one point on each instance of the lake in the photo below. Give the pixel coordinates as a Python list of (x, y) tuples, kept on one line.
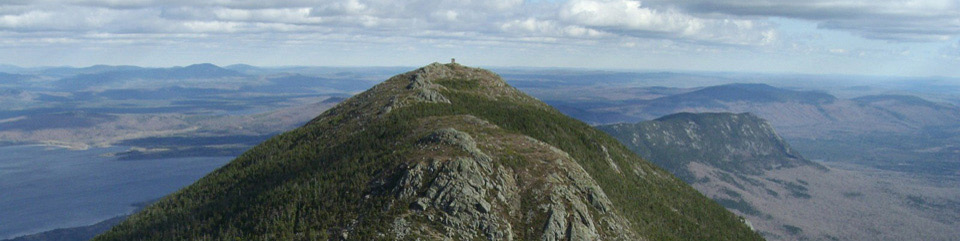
[(44, 188)]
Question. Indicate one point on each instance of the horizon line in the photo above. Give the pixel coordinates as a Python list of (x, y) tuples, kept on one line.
[(506, 67)]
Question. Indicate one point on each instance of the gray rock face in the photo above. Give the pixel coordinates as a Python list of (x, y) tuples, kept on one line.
[(738, 143), (401, 90), (425, 90), (459, 195), (453, 137), (460, 191), (473, 197)]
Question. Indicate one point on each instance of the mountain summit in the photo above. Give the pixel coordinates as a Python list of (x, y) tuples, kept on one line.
[(439, 153)]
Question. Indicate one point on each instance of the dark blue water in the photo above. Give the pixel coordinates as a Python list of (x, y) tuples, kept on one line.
[(43, 188)]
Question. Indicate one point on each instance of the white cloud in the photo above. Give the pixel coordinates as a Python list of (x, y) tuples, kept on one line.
[(270, 15), (586, 26), (629, 15), (951, 51), (498, 19), (533, 26), (895, 20), (24, 20), (349, 7), (632, 18), (838, 51)]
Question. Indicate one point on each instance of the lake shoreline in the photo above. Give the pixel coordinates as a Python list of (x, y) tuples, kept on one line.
[(49, 187)]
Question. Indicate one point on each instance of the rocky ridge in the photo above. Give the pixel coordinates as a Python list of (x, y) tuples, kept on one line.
[(444, 152)]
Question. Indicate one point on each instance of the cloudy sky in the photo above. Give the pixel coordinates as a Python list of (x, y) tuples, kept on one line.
[(872, 37)]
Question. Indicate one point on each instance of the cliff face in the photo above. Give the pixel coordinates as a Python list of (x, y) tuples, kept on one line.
[(442, 152), (736, 143), (736, 159)]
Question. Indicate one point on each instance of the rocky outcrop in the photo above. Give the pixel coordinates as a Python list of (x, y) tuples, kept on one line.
[(472, 196), (426, 90)]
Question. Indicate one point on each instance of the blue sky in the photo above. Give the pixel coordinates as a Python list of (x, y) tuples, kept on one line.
[(866, 37)]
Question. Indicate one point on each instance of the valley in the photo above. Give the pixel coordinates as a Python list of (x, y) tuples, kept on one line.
[(850, 202)]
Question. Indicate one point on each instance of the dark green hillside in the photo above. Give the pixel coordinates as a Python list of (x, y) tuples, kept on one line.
[(736, 143), (442, 152)]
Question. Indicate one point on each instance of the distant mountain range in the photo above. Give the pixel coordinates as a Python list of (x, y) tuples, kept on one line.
[(110, 75), (753, 93), (104, 105), (13, 79), (62, 72), (806, 114), (863, 130)]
